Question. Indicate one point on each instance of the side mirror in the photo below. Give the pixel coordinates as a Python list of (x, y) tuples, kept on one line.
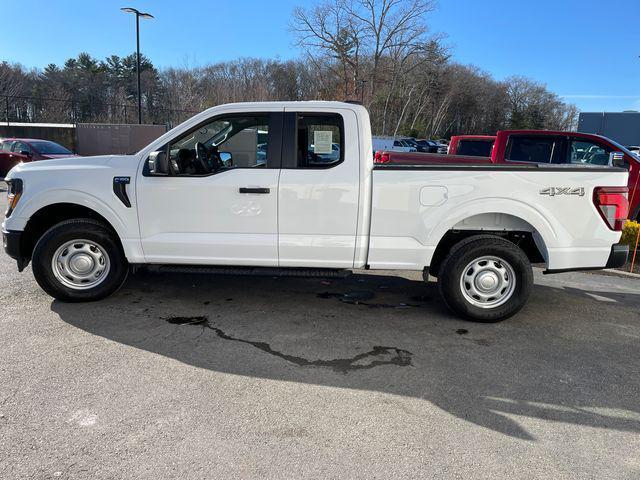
[(26, 153), (158, 163), (616, 159), (227, 159)]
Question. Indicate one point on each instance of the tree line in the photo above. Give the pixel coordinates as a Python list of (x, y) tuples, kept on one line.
[(380, 52)]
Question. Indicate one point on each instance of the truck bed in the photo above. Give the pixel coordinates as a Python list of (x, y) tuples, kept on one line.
[(413, 205)]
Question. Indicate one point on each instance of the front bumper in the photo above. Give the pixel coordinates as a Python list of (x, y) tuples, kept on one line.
[(617, 258), (12, 241)]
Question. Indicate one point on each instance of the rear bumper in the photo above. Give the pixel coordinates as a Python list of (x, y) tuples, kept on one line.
[(617, 258), (11, 242)]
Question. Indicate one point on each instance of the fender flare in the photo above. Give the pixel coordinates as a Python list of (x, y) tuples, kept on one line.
[(507, 206), (47, 198)]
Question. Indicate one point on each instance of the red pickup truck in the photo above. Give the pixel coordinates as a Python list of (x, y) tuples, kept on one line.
[(542, 147)]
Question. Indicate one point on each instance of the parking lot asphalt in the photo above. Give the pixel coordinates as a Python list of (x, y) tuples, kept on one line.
[(209, 376)]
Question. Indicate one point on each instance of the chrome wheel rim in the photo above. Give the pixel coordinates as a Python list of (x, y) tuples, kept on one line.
[(488, 282), (80, 264)]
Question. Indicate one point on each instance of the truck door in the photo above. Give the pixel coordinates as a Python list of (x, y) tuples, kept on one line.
[(319, 188), (209, 196)]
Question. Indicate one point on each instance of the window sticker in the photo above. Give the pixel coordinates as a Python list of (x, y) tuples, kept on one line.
[(322, 140)]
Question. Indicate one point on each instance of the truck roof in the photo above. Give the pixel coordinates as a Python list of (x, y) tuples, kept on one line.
[(474, 137), (293, 104), (548, 132)]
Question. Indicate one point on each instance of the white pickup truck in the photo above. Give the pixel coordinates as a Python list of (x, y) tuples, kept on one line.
[(292, 185)]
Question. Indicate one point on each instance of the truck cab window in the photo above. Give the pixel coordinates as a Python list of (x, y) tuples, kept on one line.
[(475, 148), (320, 140), (531, 149), (224, 143), (587, 152)]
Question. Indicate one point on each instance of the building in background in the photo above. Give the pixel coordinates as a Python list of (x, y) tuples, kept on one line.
[(622, 127)]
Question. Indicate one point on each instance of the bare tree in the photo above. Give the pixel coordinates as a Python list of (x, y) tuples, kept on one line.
[(413, 87), (329, 29), (387, 25)]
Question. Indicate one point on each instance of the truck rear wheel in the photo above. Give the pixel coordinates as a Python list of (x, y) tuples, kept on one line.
[(485, 279), (79, 260)]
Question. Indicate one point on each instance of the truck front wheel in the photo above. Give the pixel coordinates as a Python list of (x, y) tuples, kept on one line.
[(485, 278), (79, 260)]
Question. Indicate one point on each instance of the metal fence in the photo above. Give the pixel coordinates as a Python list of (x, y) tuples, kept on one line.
[(30, 109)]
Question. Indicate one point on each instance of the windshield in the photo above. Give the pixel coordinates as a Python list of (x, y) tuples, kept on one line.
[(213, 133), (49, 148)]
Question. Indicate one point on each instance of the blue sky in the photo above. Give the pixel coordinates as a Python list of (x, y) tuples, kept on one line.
[(586, 50)]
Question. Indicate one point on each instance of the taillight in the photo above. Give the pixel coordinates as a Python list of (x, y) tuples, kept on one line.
[(14, 191), (613, 205), (381, 157)]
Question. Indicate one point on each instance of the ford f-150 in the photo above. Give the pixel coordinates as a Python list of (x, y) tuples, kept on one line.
[(202, 197)]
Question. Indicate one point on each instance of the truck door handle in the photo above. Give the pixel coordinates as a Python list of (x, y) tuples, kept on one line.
[(255, 190)]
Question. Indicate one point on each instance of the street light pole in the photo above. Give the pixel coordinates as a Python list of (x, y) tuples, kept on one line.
[(138, 15), (362, 82), (138, 68)]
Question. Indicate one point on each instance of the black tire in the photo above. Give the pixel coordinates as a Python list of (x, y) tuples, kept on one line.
[(75, 229), (456, 292)]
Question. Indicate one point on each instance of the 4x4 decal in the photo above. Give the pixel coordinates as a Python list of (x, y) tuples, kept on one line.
[(554, 191)]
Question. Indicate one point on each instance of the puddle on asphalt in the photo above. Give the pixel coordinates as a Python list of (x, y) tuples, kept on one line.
[(377, 356), (186, 320), (361, 297)]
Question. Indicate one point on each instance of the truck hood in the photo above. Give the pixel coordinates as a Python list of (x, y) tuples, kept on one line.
[(58, 164), (48, 156)]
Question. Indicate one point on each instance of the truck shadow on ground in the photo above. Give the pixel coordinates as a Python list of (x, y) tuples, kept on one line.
[(567, 357)]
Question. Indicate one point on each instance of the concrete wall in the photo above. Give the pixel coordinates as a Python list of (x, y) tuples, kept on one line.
[(105, 139), (623, 127)]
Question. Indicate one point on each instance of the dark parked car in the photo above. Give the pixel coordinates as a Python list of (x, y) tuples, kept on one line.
[(428, 146), (16, 150)]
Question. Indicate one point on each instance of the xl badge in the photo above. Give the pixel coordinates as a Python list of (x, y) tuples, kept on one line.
[(554, 191)]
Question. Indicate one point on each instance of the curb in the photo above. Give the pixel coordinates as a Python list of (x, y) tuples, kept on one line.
[(619, 273)]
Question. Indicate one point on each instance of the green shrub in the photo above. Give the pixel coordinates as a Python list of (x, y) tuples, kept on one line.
[(630, 233)]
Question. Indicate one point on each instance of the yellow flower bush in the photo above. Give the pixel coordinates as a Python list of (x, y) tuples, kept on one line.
[(630, 233)]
